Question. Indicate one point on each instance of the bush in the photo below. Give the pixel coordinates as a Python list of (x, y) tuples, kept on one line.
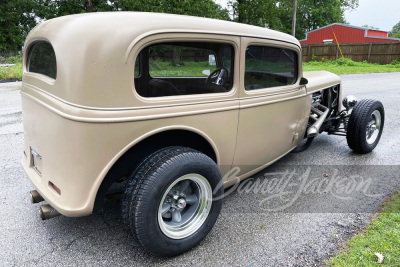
[(14, 59), (395, 62), (345, 62), (314, 58)]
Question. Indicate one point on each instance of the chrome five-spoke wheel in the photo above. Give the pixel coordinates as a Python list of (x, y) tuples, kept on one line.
[(373, 127), (184, 206)]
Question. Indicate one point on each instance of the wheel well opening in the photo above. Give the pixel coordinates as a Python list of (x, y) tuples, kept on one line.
[(131, 158)]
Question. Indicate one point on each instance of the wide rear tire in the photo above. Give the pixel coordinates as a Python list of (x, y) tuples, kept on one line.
[(175, 200)]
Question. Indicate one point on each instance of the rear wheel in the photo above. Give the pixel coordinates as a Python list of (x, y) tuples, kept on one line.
[(365, 126), (175, 202)]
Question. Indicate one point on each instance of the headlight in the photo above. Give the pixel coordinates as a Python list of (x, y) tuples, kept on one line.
[(349, 102)]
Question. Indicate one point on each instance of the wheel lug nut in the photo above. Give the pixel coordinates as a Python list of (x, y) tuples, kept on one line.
[(181, 203)]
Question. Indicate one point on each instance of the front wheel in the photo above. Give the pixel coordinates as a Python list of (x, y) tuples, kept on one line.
[(176, 200), (365, 126)]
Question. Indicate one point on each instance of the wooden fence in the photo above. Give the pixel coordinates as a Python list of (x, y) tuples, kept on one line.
[(382, 53)]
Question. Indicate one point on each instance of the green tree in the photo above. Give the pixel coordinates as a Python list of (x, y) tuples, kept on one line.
[(349, 4), (277, 14), (395, 31), (313, 14), (16, 20), (199, 8), (397, 35), (259, 13), (48, 9), (369, 27), (18, 17)]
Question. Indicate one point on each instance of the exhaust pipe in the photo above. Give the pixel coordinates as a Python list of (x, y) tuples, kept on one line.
[(35, 197), (47, 212), (314, 129)]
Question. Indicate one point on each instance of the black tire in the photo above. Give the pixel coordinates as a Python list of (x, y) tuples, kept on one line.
[(365, 112), (153, 181), (130, 185)]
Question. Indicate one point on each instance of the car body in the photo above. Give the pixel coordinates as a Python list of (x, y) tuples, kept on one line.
[(116, 89)]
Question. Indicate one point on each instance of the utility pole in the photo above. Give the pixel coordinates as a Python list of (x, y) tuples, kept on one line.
[(294, 17)]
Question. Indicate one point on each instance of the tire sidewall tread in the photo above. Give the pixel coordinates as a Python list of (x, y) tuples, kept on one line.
[(130, 185)]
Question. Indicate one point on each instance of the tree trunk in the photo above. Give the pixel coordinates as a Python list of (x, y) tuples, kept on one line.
[(175, 57), (88, 6)]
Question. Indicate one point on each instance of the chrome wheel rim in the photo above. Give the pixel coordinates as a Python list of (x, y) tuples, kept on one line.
[(185, 206), (373, 127)]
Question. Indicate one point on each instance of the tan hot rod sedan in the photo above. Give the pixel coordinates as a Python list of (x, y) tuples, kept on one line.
[(166, 106)]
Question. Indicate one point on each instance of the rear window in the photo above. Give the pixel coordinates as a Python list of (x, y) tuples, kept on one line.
[(42, 59)]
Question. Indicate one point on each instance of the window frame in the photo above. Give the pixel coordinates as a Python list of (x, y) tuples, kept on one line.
[(249, 41), (273, 72), (28, 61), (139, 44)]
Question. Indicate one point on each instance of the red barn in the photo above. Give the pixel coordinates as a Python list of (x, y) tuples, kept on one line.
[(346, 34)]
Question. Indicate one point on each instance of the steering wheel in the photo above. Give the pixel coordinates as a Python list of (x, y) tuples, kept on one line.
[(218, 76)]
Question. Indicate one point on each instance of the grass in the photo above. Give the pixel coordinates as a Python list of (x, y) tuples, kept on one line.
[(382, 235), (13, 72), (347, 66), (186, 69), (194, 69)]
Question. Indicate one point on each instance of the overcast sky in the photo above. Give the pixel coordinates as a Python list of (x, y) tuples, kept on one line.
[(382, 14)]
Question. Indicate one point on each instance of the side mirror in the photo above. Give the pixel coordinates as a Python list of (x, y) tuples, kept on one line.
[(303, 81)]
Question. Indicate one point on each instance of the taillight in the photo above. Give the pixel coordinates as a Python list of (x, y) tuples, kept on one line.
[(55, 188)]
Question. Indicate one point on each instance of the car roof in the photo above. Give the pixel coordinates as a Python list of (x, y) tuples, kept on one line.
[(95, 51), (126, 26)]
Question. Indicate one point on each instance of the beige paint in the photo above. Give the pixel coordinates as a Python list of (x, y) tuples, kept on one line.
[(267, 117), (83, 121)]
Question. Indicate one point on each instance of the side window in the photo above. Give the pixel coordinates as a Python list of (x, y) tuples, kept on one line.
[(267, 67), (42, 59), (184, 68)]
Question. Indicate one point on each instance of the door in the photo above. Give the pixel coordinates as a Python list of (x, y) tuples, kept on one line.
[(271, 103)]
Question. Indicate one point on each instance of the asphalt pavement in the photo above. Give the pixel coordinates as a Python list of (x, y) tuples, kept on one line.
[(325, 194)]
